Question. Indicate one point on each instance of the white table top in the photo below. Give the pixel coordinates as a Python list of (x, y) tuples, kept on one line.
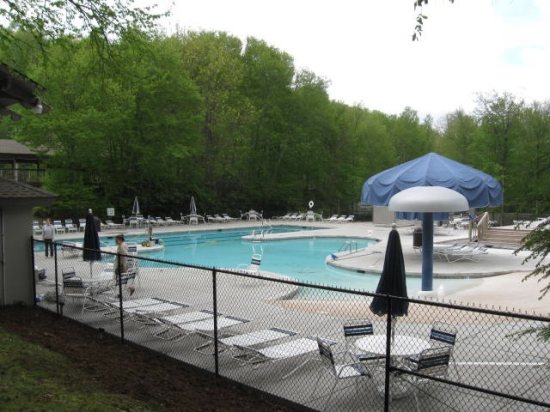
[(402, 345)]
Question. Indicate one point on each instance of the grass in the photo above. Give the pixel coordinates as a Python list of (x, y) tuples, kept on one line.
[(33, 378)]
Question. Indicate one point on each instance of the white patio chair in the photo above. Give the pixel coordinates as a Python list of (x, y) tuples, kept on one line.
[(310, 216), (254, 266), (444, 335), (433, 362), (339, 371)]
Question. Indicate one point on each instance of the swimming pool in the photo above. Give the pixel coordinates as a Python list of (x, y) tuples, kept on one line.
[(302, 259)]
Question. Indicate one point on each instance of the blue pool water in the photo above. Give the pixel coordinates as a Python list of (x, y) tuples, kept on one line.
[(302, 259)]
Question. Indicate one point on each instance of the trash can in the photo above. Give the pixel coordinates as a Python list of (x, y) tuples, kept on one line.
[(417, 238)]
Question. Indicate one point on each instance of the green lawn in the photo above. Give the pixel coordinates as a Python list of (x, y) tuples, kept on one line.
[(33, 378)]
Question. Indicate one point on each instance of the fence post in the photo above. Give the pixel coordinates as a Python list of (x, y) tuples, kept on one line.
[(121, 310), (215, 304), (387, 396), (33, 273), (56, 276)]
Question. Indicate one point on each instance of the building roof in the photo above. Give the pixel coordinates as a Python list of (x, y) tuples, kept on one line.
[(13, 150), (12, 190)]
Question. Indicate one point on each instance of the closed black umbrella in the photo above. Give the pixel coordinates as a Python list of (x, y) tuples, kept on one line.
[(92, 247), (393, 280)]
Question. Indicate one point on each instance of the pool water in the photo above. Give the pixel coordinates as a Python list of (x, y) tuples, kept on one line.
[(302, 259)]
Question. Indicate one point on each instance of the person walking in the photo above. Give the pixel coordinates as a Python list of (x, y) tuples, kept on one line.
[(48, 235)]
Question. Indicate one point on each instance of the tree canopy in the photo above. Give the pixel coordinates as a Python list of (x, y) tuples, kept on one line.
[(237, 125)]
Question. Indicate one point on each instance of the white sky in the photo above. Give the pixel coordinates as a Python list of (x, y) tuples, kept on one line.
[(364, 47)]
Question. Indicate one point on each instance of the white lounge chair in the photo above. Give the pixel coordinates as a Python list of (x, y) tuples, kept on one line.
[(332, 219), (82, 225), (310, 216), (70, 248), (69, 226), (58, 226), (281, 352), (229, 218), (36, 229), (249, 339), (285, 217), (171, 329), (169, 221), (349, 219), (220, 219), (206, 326), (341, 219)]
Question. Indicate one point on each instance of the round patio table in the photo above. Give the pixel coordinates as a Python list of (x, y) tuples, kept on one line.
[(402, 345)]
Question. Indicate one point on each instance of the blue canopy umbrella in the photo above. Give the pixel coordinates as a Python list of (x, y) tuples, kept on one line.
[(432, 169)]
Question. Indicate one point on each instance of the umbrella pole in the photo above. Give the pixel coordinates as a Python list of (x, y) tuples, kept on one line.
[(393, 322), (427, 251), (91, 263)]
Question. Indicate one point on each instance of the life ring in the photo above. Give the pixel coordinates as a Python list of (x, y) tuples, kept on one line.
[(311, 204)]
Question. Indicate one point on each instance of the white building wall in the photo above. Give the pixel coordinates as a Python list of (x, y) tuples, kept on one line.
[(16, 272)]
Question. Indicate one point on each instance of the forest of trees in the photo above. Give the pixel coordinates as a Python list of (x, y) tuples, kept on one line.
[(238, 126)]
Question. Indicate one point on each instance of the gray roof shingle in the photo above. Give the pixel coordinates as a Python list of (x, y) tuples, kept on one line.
[(10, 189)]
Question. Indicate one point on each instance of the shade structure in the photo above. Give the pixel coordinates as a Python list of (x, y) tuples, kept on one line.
[(135, 207), (432, 169), (392, 281), (428, 199), (92, 247)]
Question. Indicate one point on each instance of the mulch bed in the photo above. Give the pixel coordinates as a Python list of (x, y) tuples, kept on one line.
[(130, 370)]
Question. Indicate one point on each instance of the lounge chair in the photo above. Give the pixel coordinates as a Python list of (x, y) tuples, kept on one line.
[(58, 226), (341, 219), (206, 326), (229, 218), (291, 216), (213, 219), (332, 219), (82, 225), (70, 248), (281, 352), (160, 221), (169, 221), (221, 219), (310, 216), (299, 216), (172, 330), (36, 229), (249, 339), (339, 371), (285, 217), (69, 226), (349, 219), (457, 253), (148, 314)]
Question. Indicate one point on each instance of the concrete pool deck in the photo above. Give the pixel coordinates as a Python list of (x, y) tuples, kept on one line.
[(499, 273)]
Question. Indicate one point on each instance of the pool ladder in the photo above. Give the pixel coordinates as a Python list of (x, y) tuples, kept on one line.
[(349, 246)]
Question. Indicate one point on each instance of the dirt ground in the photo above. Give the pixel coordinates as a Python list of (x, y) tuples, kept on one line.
[(129, 370)]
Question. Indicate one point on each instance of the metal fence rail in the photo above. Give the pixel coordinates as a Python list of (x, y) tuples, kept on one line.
[(288, 338)]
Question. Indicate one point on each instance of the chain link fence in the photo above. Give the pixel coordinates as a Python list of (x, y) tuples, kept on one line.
[(319, 347)]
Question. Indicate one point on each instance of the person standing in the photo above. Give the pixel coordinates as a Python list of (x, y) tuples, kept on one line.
[(121, 263), (48, 235)]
